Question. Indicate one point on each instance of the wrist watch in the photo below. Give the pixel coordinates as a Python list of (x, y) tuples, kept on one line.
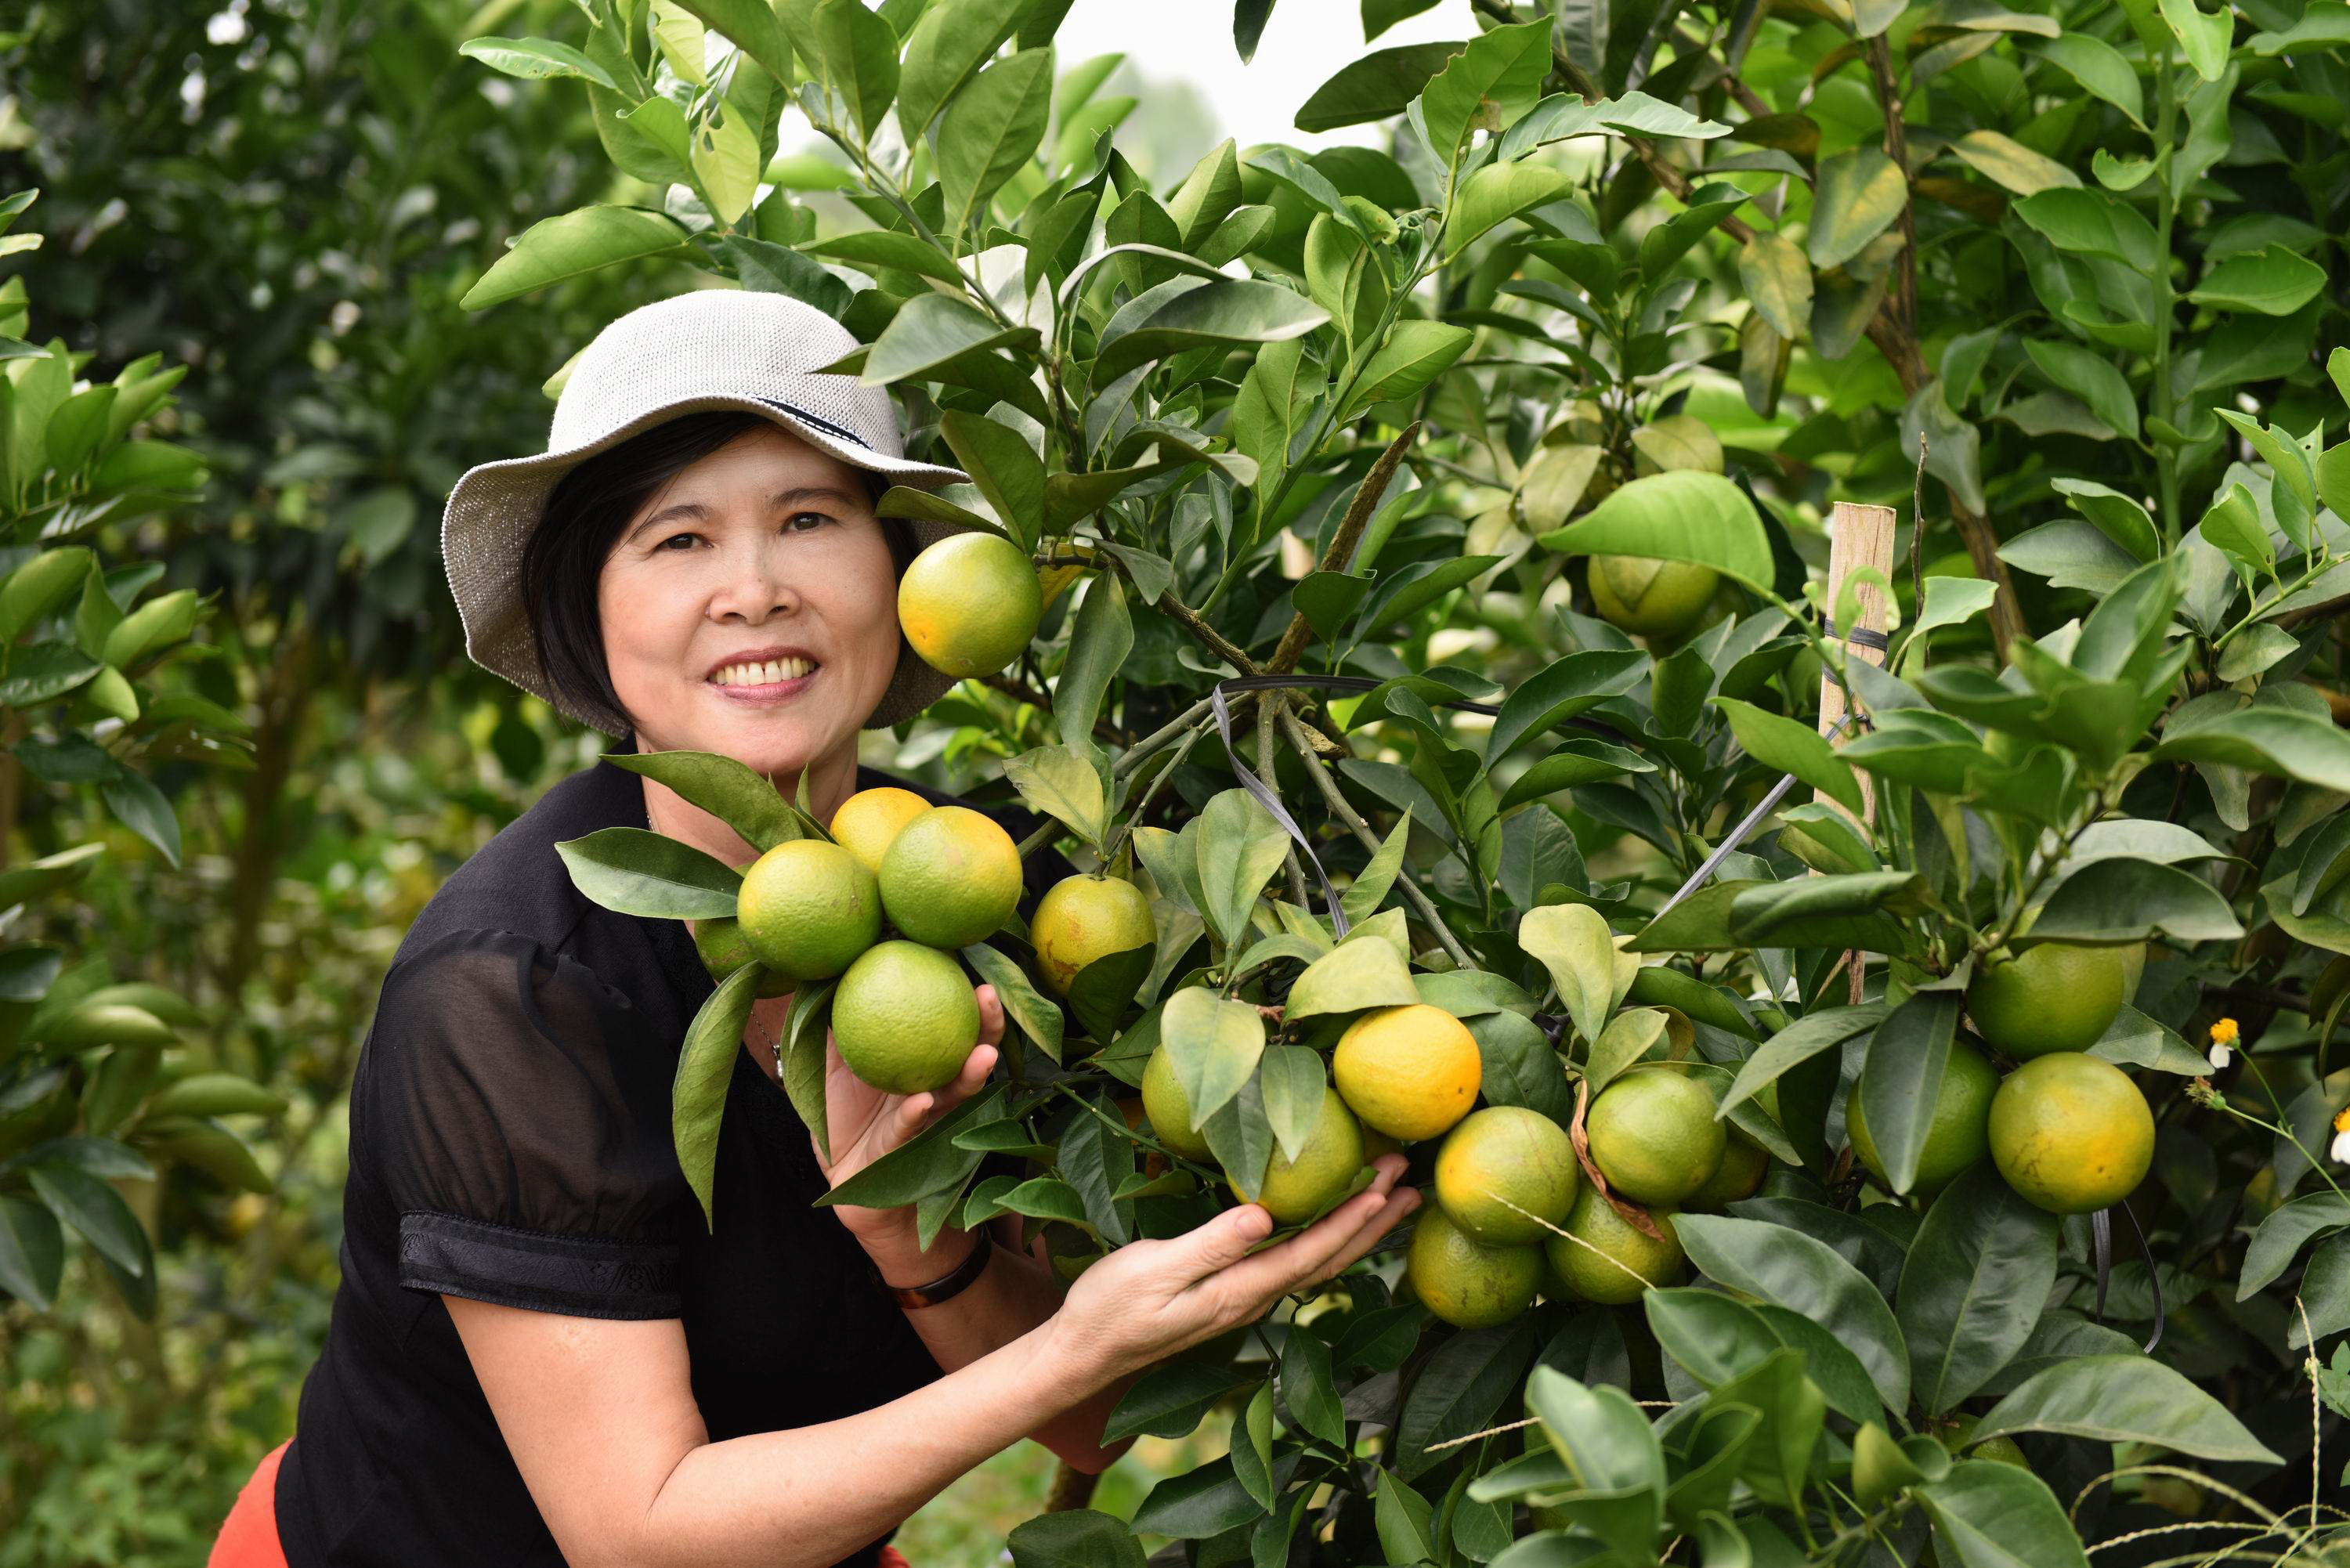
[(947, 1286)]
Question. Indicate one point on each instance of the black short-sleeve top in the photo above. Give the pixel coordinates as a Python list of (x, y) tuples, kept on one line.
[(510, 1142)]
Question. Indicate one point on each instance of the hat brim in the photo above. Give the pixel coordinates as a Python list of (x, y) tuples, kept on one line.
[(493, 510)]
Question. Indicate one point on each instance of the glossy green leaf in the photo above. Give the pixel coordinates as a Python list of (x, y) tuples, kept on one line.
[(2126, 1399), (1212, 1044), (536, 59), (2101, 68), (1979, 1272), (573, 244), (1787, 745), (990, 132), (1860, 194), (743, 798), (635, 872), (1790, 1270), (1682, 515), (1986, 1514), (2274, 282), (1778, 280)]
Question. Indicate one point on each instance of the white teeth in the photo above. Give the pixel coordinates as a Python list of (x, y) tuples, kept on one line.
[(760, 674)]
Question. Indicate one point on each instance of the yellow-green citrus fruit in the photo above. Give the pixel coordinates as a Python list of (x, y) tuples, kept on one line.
[(867, 822), (1377, 1143), (1411, 1071), (970, 603), (950, 878), (1081, 919), (2133, 971), (2071, 1133), (1959, 1439), (1169, 1108), (2052, 997), (1653, 1136), (904, 1018), (1609, 1260), (724, 949), (1960, 1134), (1743, 1165), (1506, 1152), (1297, 1191), (1650, 598), (1464, 1282), (808, 908)]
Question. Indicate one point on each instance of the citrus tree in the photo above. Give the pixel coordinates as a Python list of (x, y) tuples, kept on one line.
[(1429, 632)]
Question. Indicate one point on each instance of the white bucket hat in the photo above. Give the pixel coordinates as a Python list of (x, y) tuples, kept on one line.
[(710, 349)]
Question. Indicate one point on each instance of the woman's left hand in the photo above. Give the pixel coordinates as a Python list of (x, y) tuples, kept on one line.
[(865, 1123)]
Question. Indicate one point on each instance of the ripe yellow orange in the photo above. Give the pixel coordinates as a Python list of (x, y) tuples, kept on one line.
[(1410, 1071), (1170, 1109), (970, 603), (952, 877), (1960, 1134), (1463, 1281), (808, 908), (1294, 1191), (867, 822), (1650, 598), (2071, 1133), (723, 950), (905, 1018), (1653, 1136), (1607, 1258), (2051, 997), (1506, 1152), (1081, 919)]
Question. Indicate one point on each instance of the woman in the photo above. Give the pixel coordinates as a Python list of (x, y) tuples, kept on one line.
[(539, 1354)]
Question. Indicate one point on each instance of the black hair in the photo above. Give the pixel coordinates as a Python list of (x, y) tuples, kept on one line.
[(564, 557)]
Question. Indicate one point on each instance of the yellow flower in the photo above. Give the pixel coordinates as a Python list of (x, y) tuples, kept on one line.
[(2225, 1032), (2223, 1041), (2341, 1151)]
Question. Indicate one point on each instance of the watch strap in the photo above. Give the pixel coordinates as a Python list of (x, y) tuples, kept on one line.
[(950, 1285)]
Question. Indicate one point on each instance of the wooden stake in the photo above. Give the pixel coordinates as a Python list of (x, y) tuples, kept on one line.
[(1860, 536)]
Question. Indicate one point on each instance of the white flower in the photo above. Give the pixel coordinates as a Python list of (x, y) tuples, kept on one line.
[(2219, 1056), (2342, 1148)]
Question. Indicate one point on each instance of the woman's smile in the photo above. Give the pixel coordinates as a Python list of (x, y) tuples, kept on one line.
[(763, 675)]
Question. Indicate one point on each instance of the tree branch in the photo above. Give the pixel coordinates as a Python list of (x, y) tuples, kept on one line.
[(1342, 545)]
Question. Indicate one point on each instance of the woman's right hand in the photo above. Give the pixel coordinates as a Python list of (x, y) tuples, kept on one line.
[(1147, 1299)]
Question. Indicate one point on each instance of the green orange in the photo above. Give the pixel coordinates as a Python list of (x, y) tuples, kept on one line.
[(2071, 1133), (808, 908), (1744, 1163), (723, 950), (1410, 1071), (1294, 1191), (1464, 1282), (2049, 997), (1604, 1258), (970, 603), (1959, 1133), (951, 877), (905, 1018), (1653, 1135), (867, 822), (1081, 919), (1651, 598), (1170, 1108), (1506, 1152)]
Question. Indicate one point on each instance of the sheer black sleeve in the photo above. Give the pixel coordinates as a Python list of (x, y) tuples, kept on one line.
[(520, 1121)]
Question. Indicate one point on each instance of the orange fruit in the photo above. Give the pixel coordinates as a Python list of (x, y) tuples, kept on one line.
[(970, 603), (1609, 1261), (2071, 1133), (1410, 1071), (1464, 1282), (1650, 598), (1960, 1134), (1653, 1136), (867, 822), (1744, 1163), (905, 1018), (1170, 1108), (1295, 1190), (1081, 919), (808, 908), (1506, 1152), (2051, 997), (951, 877), (724, 949)]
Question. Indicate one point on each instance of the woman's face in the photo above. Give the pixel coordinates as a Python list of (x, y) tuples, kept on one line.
[(750, 607)]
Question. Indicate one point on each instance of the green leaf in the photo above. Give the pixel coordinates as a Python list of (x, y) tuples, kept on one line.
[(1309, 1390), (1564, 115), (1030, 1009), (1978, 1274), (1061, 784), (1568, 686), (992, 128), (1212, 1044), (536, 59), (1573, 942), (1459, 1390), (927, 1163), (2126, 1399), (2204, 36), (1251, 1446), (1352, 976), (1789, 1269), (1628, 1037), (1206, 1502), (2091, 376), (2012, 164), (1498, 74), (2284, 1233), (1574, 762), (1103, 636), (1901, 1087), (1377, 87), (573, 244), (2101, 68), (1680, 516), (1077, 1538), (38, 587), (1778, 281), (1371, 884), (2274, 281), (1792, 747), (2118, 901), (869, 249), (1240, 848), (1611, 1451), (1169, 1400), (2320, 25), (1414, 355), (737, 794), (1293, 1081), (2117, 517), (634, 872), (753, 28), (1225, 313), (1494, 195), (1988, 1514), (1402, 1520), (2091, 224), (32, 1251), (855, 53), (705, 1067), (93, 1209), (1860, 194), (949, 44), (767, 268)]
